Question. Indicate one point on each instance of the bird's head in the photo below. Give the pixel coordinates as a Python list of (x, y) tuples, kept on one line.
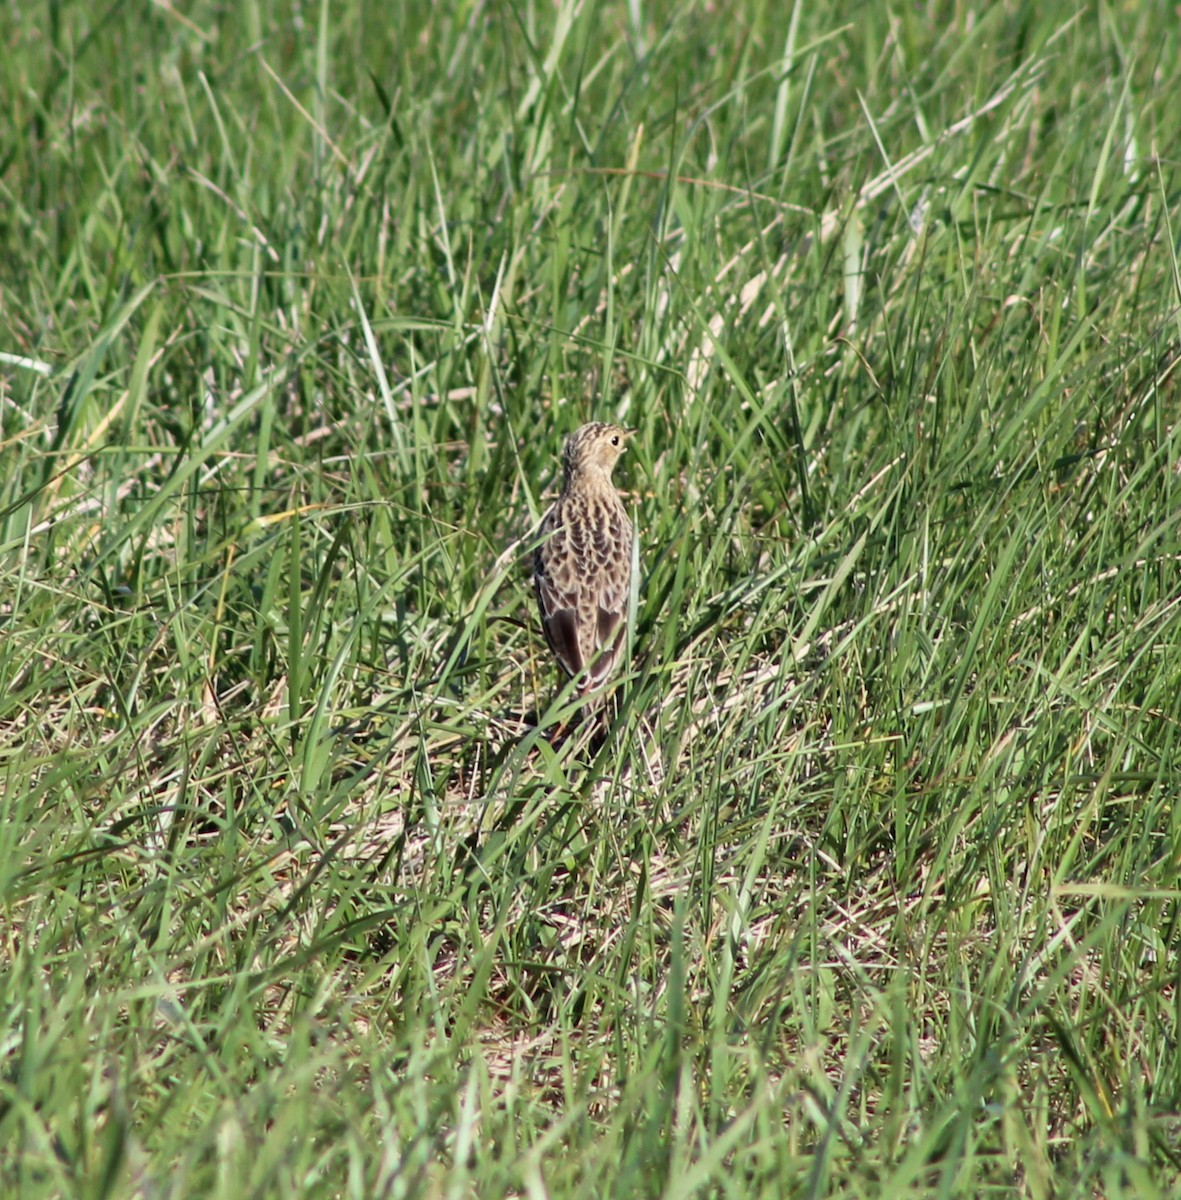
[(594, 447)]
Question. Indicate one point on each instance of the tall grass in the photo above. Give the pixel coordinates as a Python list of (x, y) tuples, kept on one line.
[(871, 887)]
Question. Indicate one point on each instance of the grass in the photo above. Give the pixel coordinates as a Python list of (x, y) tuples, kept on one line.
[(872, 888)]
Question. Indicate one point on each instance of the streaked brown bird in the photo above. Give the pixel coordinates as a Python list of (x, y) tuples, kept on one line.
[(583, 563)]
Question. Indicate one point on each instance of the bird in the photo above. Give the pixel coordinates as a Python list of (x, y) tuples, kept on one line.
[(582, 565)]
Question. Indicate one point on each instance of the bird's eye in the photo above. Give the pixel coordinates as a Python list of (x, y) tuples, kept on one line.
[(615, 439)]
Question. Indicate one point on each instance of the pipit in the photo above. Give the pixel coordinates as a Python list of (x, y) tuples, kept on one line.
[(583, 563)]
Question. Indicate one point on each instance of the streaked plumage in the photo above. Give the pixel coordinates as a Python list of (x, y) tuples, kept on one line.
[(582, 566)]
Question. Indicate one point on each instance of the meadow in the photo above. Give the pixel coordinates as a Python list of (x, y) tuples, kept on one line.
[(869, 885)]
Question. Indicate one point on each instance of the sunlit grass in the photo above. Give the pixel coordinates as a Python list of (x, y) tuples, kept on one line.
[(871, 886)]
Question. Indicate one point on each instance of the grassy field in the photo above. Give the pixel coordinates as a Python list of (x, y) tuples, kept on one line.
[(871, 888)]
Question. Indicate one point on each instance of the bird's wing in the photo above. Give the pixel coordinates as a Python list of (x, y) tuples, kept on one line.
[(610, 608), (557, 594), (609, 635), (559, 620)]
